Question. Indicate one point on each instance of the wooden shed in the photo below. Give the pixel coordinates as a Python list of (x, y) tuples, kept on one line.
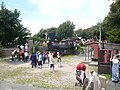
[(106, 52), (95, 46)]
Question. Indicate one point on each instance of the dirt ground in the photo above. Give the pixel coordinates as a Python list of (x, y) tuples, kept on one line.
[(63, 78)]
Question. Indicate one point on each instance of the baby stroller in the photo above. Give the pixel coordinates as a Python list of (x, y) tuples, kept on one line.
[(80, 77)]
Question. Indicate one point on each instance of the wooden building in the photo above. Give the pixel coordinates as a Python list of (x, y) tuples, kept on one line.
[(106, 52)]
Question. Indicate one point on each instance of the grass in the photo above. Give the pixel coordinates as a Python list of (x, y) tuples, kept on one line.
[(7, 74), (2, 60), (107, 76), (48, 80), (93, 68), (44, 79)]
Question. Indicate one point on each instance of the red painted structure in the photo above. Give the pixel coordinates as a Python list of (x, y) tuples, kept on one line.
[(95, 46)]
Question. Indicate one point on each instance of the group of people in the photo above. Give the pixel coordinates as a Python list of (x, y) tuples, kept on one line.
[(21, 52), (40, 58)]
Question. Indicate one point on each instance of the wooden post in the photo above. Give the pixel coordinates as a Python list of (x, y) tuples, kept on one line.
[(103, 81), (85, 53), (88, 52), (99, 60)]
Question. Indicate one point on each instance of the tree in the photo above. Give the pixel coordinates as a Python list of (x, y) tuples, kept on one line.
[(66, 29), (78, 32), (114, 36), (43, 32), (112, 23), (11, 29)]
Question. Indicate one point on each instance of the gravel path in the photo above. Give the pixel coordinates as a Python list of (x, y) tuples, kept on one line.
[(64, 76)]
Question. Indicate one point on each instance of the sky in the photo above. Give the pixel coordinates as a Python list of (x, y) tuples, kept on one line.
[(38, 14)]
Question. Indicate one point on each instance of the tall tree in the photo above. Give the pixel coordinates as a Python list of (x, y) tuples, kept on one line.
[(113, 23), (66, 29), (11, 28)]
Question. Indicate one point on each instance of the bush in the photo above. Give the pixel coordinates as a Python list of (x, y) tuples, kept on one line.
[(80, 48)]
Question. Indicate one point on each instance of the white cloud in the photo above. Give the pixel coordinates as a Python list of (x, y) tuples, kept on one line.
[(83, 13), (35, 25)]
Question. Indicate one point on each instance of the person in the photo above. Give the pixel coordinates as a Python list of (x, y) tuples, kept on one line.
[(40, 60), (33, 60), (115, 69), (51, 61), (44, 57), (13, 54), (80, 73), (26, 56), (59, 60)]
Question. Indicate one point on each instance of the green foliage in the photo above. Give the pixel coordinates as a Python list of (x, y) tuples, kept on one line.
[(107, 76), (80, 47), (36, 47), (78, 32), (113, 36), (88, 33), (66, 29), (111, 24), (41, 34), (11, 30), (35, 38)]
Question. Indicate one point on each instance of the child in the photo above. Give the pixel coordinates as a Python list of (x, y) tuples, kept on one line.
[(59, 60), (51, 61)]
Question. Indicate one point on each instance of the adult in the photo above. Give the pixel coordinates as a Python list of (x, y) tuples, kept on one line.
[(33, 60), (80, 73), (81, 66), (115, 69), (44, 57)]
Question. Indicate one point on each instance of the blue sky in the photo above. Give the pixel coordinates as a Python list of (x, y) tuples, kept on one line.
[(37, 14)]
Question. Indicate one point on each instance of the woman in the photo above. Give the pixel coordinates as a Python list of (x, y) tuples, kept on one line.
[(115, 69)]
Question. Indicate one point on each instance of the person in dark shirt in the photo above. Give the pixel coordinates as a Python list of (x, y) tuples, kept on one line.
[(33, 60)]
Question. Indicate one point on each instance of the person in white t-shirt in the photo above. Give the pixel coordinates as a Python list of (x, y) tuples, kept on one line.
[(115, 68), (26, 56), (51, 61)]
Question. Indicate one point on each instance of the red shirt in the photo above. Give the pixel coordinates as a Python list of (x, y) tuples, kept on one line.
[(81, 66)]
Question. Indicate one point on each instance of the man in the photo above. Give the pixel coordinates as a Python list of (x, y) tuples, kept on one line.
[(80, 73)]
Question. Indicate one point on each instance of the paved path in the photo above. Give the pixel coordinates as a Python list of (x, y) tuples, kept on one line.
[(113, 86), (12, 86)]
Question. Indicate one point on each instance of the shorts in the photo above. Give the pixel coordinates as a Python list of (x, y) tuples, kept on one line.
[(59, 60), (51, 65), (39, 63)]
